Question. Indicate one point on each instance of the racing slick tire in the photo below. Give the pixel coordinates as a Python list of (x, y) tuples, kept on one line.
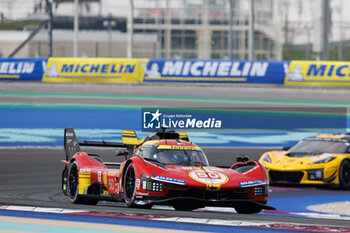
[(73, 186), (129, 186), (247, 209), (344, 174)]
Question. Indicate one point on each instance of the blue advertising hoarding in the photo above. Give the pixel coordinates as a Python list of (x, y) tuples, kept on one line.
[(22, 69), (162, 70), (227, 71)]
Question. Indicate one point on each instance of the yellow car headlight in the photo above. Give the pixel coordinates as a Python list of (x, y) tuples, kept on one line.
[(267, 158), (326, 160)]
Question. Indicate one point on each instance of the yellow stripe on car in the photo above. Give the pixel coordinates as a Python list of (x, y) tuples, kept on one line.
[(169, 147)]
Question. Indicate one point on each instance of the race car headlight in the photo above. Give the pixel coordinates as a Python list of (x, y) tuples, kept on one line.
[(326, 160), (316, 174), (267, 158), (261, 190), (150, 184)]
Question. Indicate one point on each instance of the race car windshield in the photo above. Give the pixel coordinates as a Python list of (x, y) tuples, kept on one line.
[(180, 157), (309, 147)]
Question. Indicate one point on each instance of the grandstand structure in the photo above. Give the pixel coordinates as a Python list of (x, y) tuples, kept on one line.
[(201, 29)]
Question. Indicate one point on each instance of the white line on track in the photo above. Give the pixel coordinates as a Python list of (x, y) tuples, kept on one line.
[(40, 209)]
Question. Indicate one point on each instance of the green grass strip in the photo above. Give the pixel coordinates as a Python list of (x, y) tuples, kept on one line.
[(69, 106), (177, 98), (180, 110)]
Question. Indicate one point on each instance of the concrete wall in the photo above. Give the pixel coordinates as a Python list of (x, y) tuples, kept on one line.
[(10, 40), (91, 44)]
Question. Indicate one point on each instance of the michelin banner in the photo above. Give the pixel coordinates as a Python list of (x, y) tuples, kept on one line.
[(317, 73), (92, 70), (21, 69), (223, 71)]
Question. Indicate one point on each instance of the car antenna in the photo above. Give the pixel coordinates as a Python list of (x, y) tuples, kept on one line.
[(162, 130)]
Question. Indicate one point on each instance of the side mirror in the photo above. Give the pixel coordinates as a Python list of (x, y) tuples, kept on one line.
[(123, 152), (242, 158)]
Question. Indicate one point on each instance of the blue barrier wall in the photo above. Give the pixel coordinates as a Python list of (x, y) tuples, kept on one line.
[(44, 126), (22, 69), (165, 70), (324, 73)]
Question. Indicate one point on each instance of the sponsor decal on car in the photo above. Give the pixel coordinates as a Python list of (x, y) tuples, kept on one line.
[(142, 194), (208, 177), (112, 173), (104, 179), (111, 184), (169, 179), (187, 168), (178, 147), (69, 134), (86, 170), (138, 184), (250, 183)]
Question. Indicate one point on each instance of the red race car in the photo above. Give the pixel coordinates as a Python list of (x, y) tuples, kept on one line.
[(162, 169)]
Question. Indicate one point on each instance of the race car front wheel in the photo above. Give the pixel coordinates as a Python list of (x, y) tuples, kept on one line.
[(129, 186), (73, 186), (344, 174)]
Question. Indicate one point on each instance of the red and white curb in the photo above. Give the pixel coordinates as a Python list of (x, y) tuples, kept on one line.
[(260, 224), (276, 212), (219, 222)]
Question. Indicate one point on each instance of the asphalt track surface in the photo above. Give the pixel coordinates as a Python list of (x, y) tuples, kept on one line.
[(188, 94), (32, 176)]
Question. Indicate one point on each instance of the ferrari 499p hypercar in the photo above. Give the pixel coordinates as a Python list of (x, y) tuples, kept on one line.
[(162, 169), (316, 160)]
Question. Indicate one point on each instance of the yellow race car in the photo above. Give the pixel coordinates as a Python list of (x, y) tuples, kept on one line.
[(316, 160)]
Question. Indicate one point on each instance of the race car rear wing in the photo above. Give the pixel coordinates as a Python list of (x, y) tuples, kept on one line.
[(72, 146), (130, 140), (129, 136)]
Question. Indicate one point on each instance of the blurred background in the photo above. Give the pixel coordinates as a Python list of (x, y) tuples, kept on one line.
[(188, 29)]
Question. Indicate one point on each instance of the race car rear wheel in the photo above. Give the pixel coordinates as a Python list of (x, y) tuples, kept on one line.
[(247, 209), (129, 186), (344, 174), (73, 186)]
